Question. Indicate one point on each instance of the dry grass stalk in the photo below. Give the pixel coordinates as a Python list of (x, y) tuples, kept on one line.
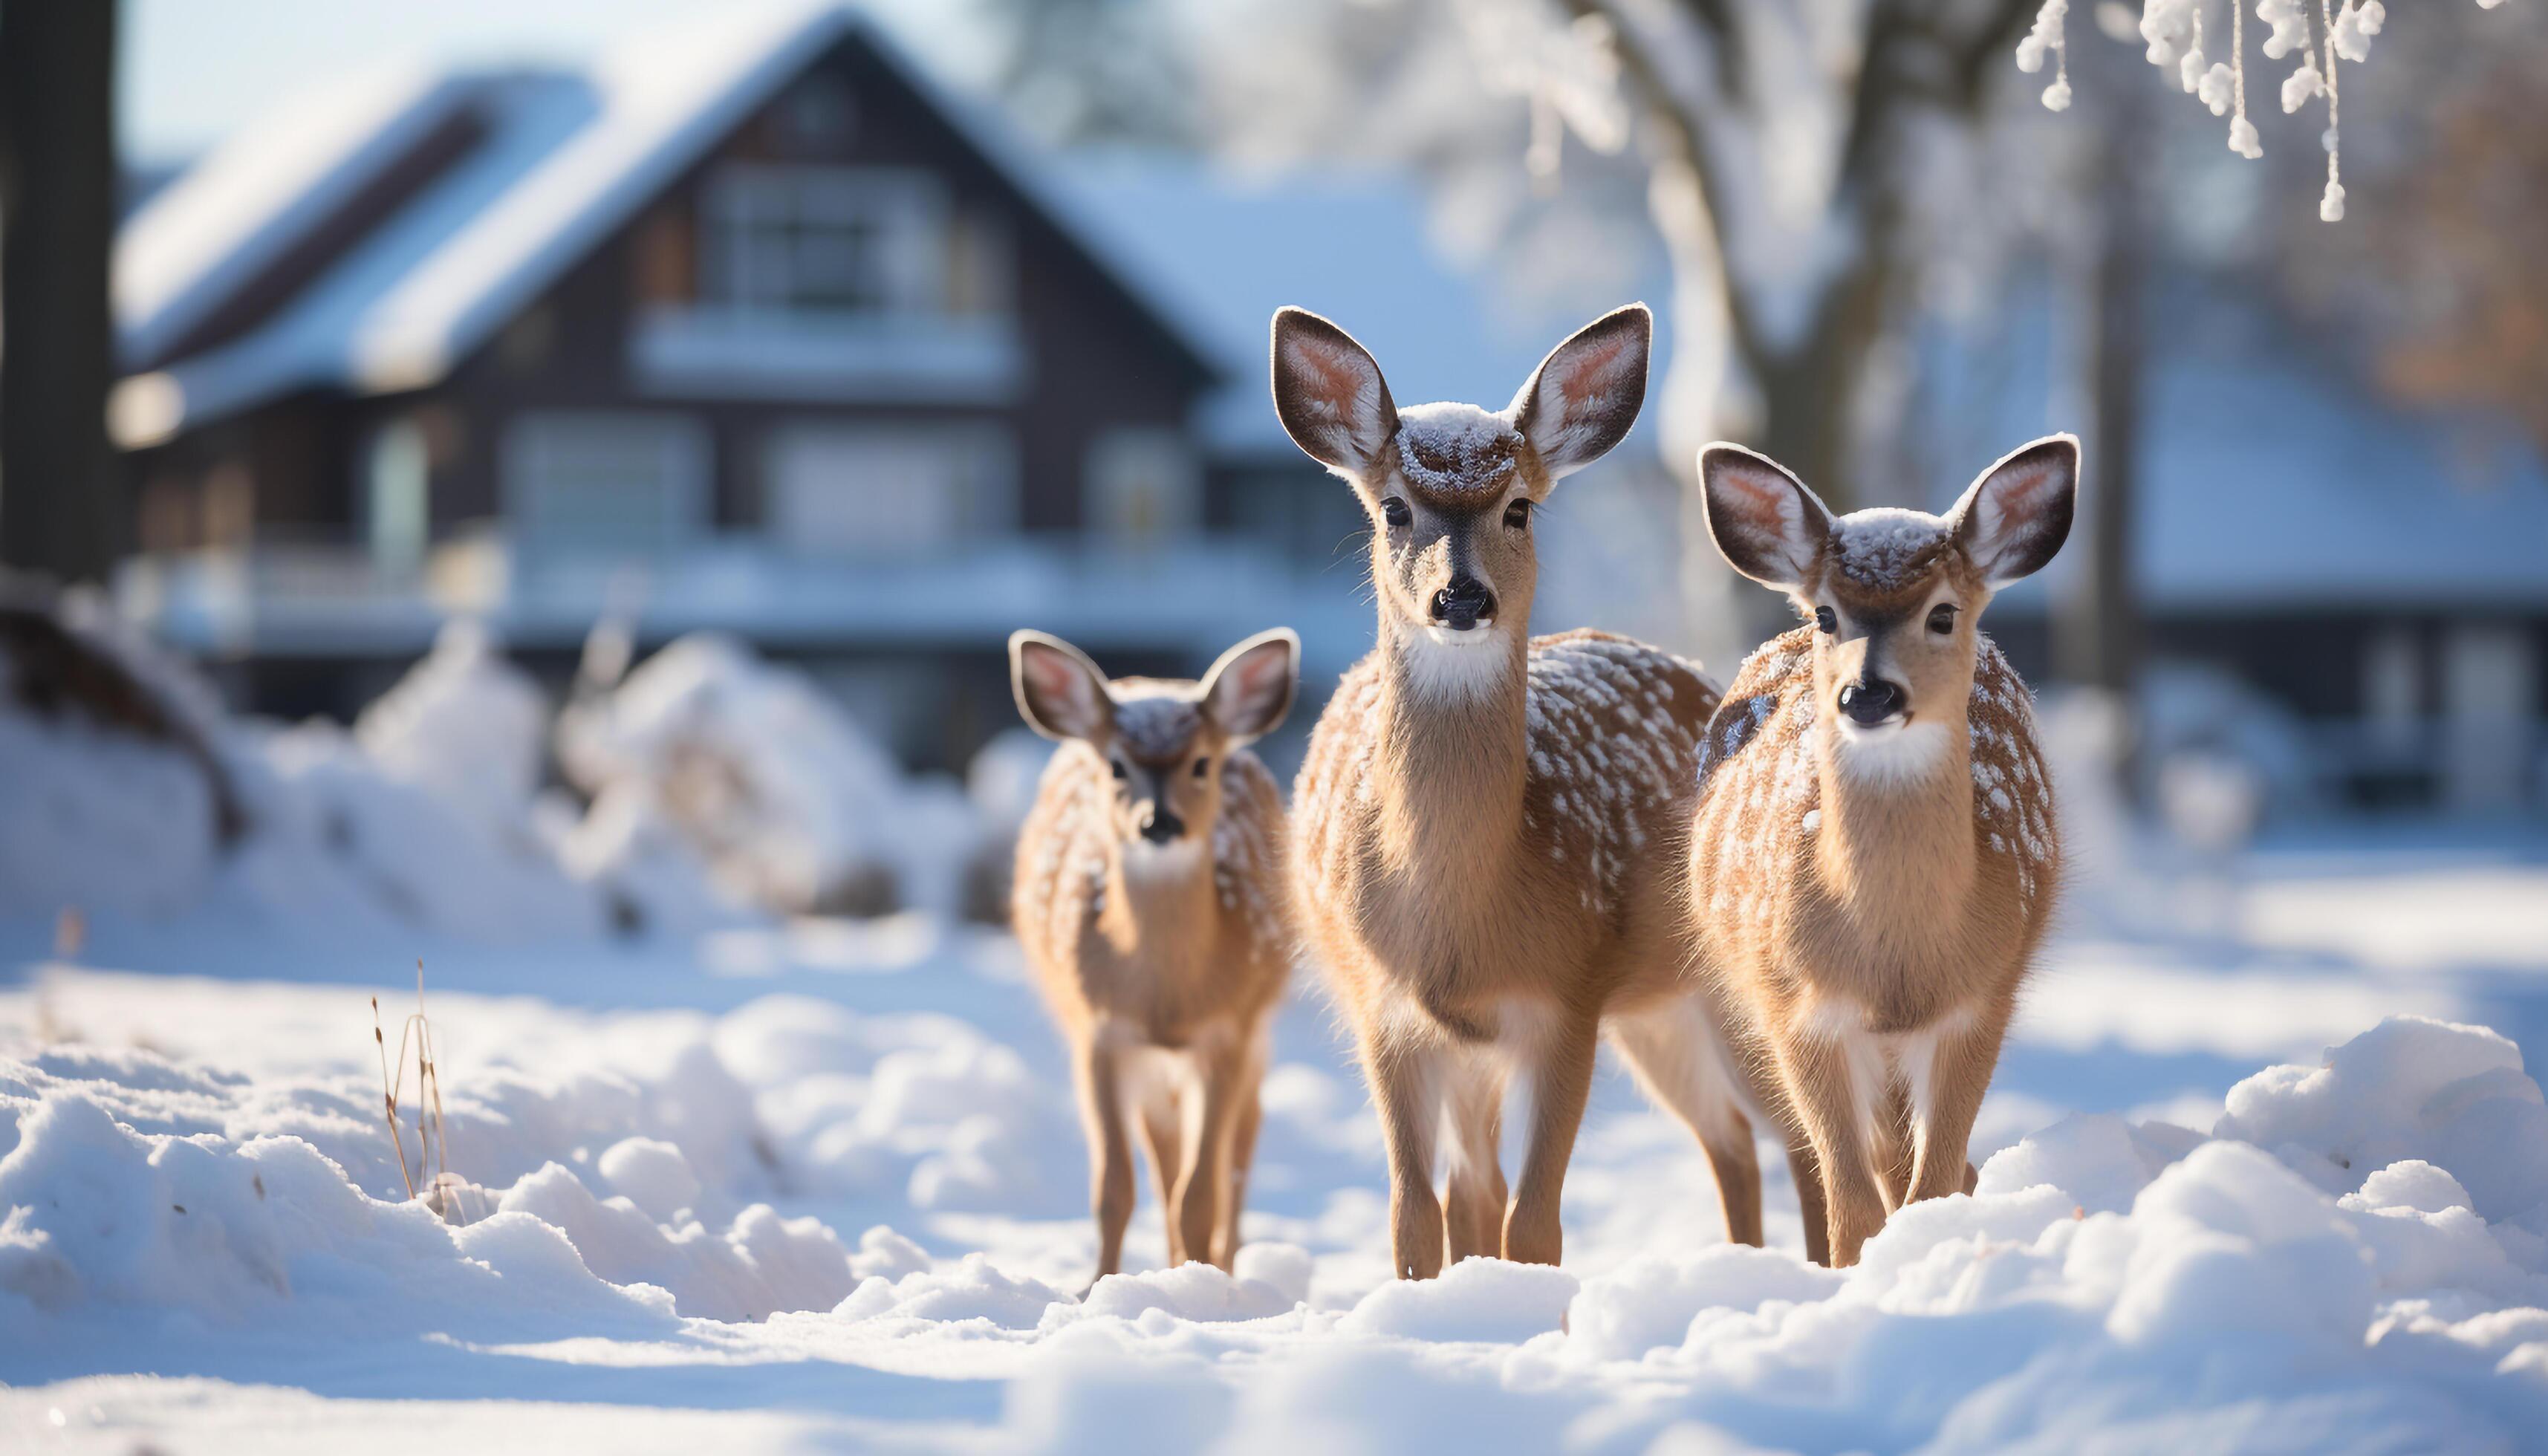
[(442, 1187)]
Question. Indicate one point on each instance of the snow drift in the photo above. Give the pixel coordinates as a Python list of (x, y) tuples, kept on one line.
[(2357, 1256), (721, 787)]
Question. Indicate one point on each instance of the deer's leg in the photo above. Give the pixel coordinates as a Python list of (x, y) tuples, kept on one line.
[(1210, 1116), (1110, 1148), (1675, 1056), (1561, 1081), (1829, 1078), (1242, 1157), (1947, 1093), (1248, 1116), (1162, 1130), (1893, 1145), (1473, 1203), (1808, 1177), (1406, 1083)]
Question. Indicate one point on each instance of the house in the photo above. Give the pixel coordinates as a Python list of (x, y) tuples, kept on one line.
[(748, 327), (752, 327), (2352, 594)]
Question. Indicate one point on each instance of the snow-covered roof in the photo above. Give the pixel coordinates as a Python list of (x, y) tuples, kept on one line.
[(569, 159), (2270, 478), (228, 218), (1229, 247), (2280, 486)]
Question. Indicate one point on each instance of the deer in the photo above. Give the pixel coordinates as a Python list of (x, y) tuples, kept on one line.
[(1151, 905), (1874, 856), (1485, 822)]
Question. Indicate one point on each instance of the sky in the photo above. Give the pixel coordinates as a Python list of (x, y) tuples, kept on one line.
[(193, 70)]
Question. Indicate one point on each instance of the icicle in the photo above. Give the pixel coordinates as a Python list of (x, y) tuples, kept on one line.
[(2330, 207), (2301, 84), (2046, 35), (2243, 133), (2353, 28), (2290, 19), (2164, 25)]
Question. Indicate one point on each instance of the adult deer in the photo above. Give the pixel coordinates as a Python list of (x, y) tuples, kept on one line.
[(1874, 858), (1484, 822), (1149, 900)]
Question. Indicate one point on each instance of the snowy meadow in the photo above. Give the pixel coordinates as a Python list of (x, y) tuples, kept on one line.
[(2266, 1166)]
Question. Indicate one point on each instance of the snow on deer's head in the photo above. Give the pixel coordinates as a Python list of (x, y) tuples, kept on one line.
[(1892, 593), (1451, 488), (1163, 739)]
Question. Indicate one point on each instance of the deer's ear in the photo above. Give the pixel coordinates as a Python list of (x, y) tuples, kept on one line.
[(2015, 517), (1329, 393), (1060, 692), (1770, 527), (1585, 396), (1249, 690)]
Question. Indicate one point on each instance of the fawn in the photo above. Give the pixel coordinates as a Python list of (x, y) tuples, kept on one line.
[(1482, 856), (1875, 858), (1150, 903)]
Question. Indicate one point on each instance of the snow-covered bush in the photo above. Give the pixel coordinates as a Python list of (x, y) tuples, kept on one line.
[(789, 804), (464, 724)]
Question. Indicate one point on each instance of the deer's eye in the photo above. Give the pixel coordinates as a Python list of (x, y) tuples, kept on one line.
[(1117, 765), (1201, 766), (1518, 516), (1826, 621), (1942, 618), (1395, 512)]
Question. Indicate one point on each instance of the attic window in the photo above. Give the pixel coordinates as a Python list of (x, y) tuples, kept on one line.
[(816, 119), (825, 241)]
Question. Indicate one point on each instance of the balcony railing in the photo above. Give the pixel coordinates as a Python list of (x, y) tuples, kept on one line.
[(305, 598), (702, 350)]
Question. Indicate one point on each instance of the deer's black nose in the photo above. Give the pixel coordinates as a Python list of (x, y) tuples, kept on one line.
[(1459, 606), (1870, 703), (1159, 826)]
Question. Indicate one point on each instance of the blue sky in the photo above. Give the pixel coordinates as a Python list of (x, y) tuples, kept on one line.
[(191, 71)]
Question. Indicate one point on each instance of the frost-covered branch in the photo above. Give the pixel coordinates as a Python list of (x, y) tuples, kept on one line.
[(2173, 32)]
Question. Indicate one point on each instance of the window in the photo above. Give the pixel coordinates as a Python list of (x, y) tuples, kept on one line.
[(860, 490), (1142, 488), (605, 481), (396, 495), (826, 240)]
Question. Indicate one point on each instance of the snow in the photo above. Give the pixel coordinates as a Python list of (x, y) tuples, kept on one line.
[(790, 805), (1457, 454), (2253, 1177), (463, 725), (1886, 548), (230, 216), (568, 157)]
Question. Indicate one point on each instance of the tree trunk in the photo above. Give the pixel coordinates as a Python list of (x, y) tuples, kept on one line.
[(2097, 639), (63, 507)]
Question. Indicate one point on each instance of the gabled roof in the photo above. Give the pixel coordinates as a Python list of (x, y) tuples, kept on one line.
[(568, 159), (1230, 246), (2269, 477)]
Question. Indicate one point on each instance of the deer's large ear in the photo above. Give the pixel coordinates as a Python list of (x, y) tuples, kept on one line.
[(1585, 396), (2015, 517), (1770, 527), (1060, 692), (1329, 393), (1249, 690)]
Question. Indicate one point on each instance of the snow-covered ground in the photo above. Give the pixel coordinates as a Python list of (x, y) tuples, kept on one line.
[(739, 1182), (821, 1182)]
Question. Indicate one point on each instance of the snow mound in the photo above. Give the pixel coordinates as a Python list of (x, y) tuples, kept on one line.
[(2453, 1097), (783, 795), (234, 1232), (463, 725), (1476, 1299)]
